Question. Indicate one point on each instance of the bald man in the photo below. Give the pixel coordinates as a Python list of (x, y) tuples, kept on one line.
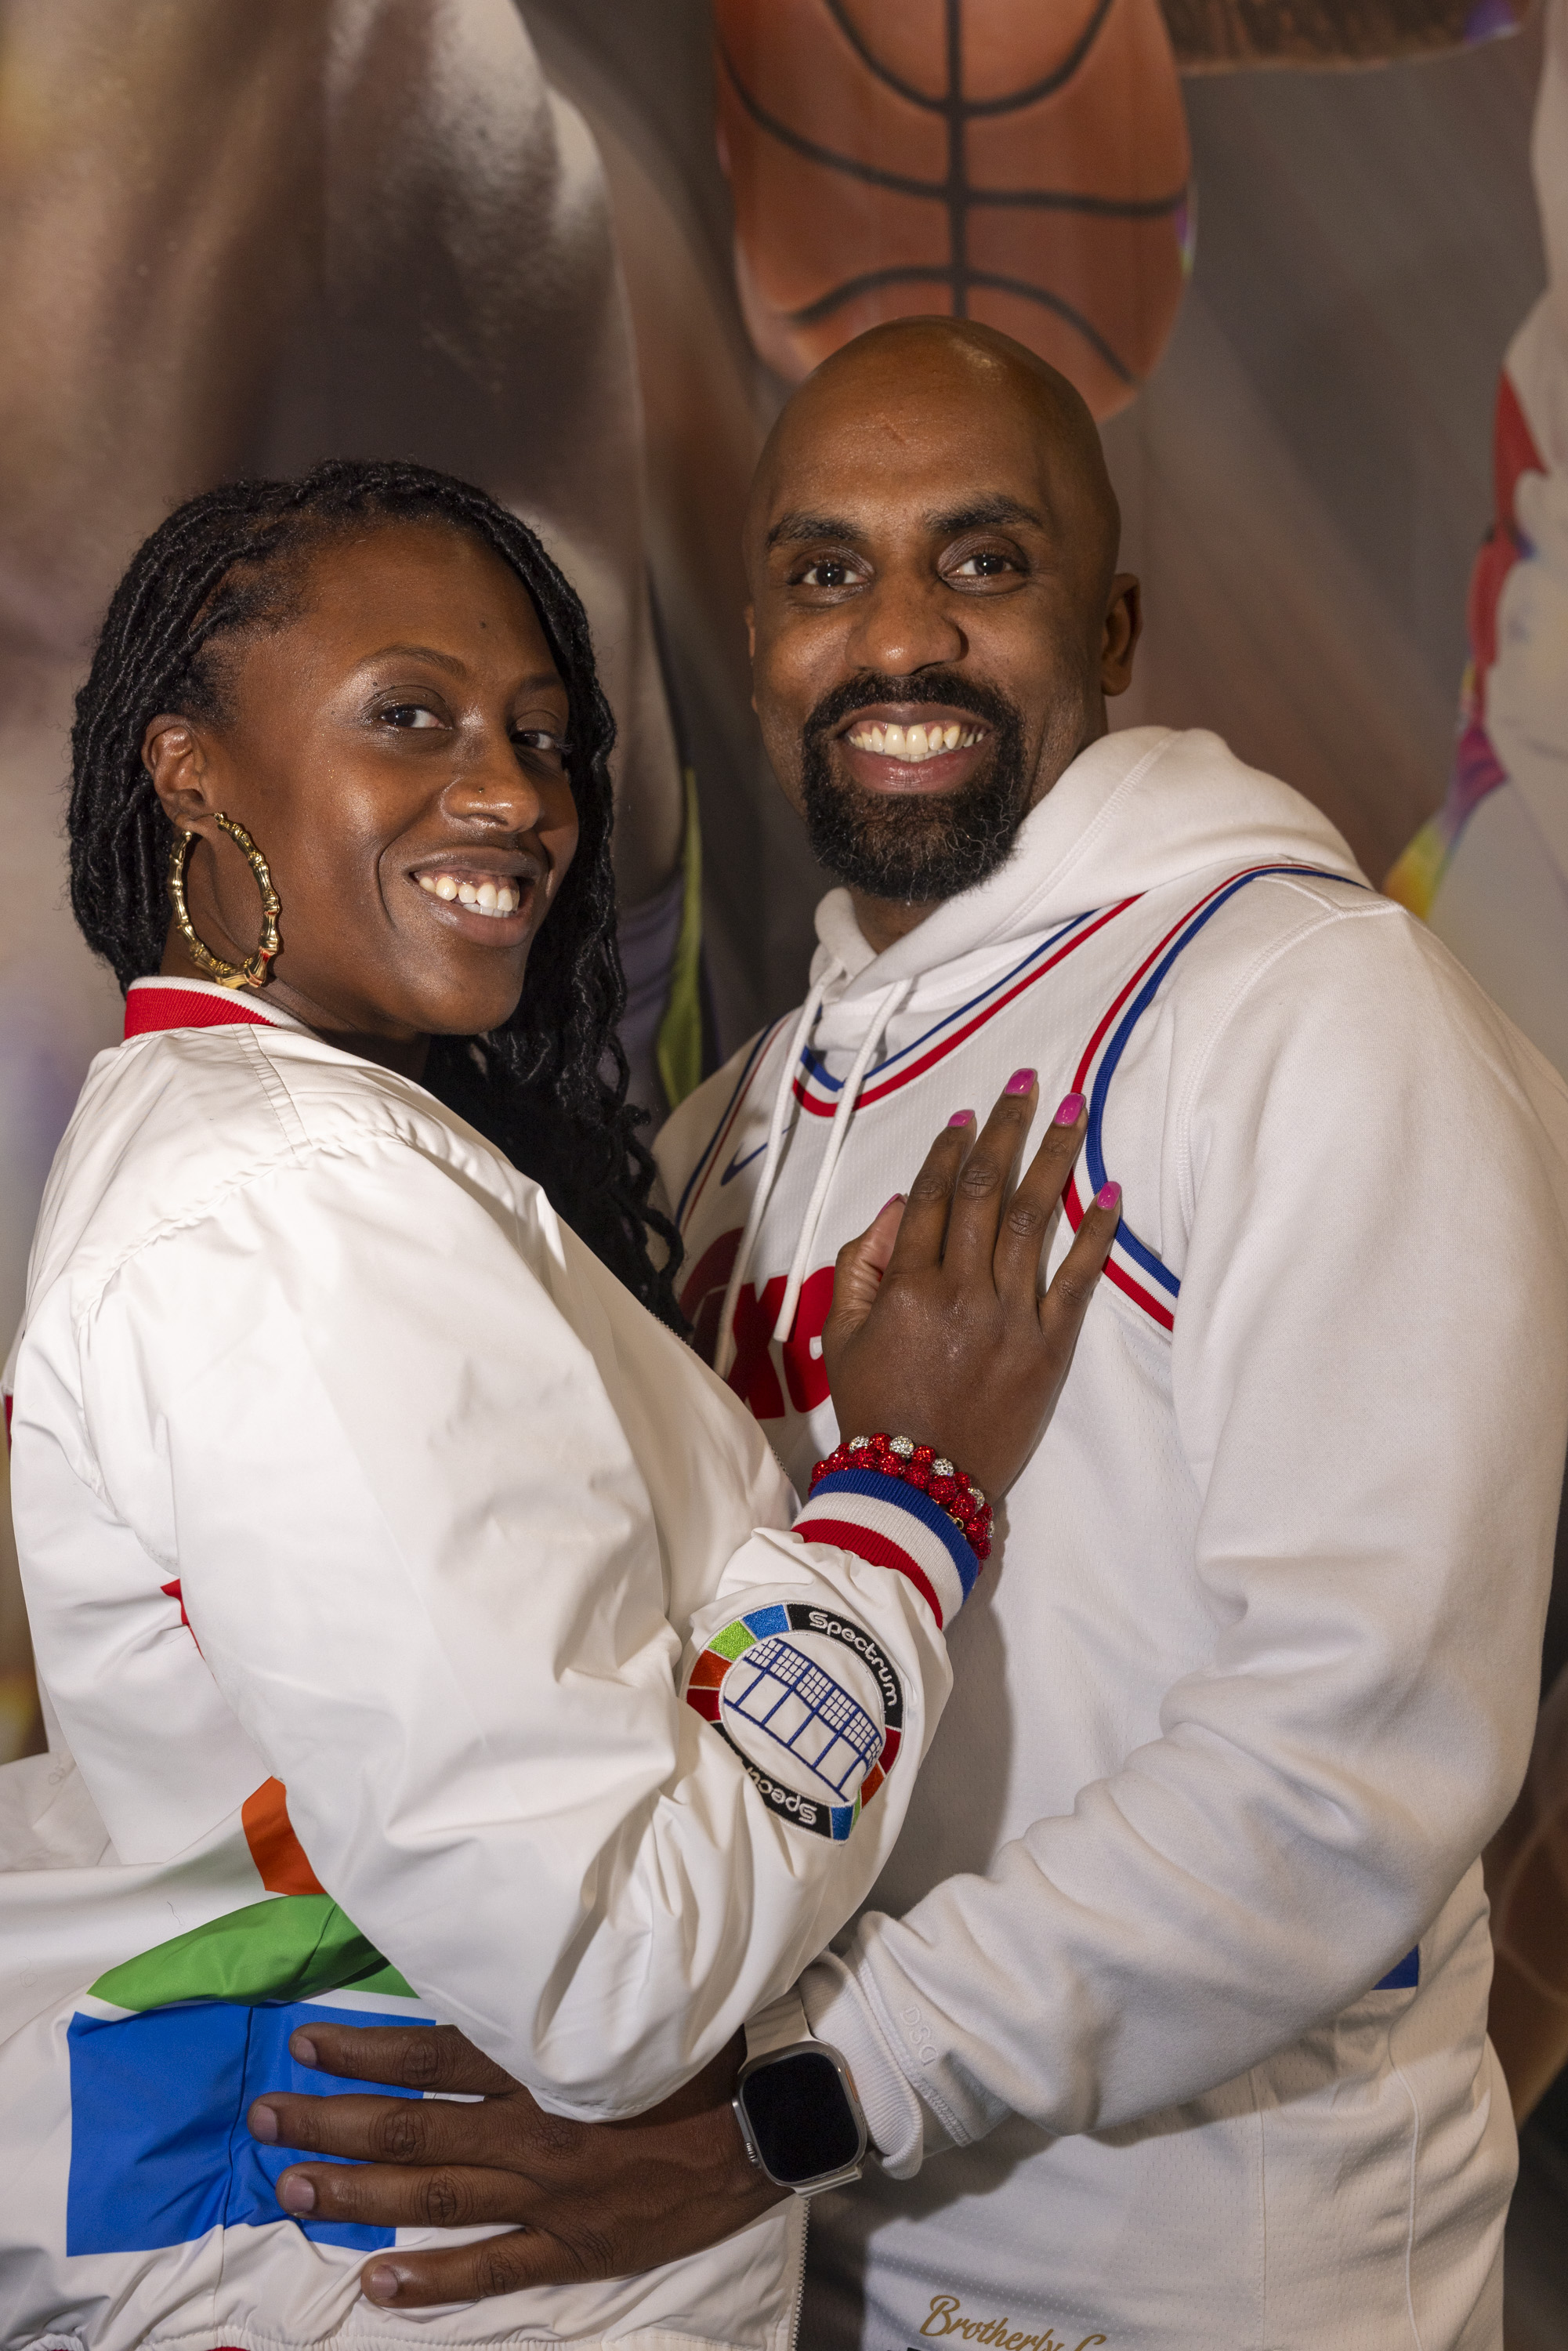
[(1168, 2015)]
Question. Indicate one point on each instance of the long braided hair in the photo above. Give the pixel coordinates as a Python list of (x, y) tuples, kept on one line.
[(547, 1087)]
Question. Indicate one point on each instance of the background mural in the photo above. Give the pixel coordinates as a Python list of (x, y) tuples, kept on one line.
[(578, 249)]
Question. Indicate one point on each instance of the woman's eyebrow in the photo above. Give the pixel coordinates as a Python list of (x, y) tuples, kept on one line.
[(420, 652)]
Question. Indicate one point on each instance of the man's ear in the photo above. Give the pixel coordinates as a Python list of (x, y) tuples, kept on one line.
[(751, 618), (1123, 626), (175, 757)]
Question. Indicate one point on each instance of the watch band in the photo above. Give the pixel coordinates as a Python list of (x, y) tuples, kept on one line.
[(800, 2121)]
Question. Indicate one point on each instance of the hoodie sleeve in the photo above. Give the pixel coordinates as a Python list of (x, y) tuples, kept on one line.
[(1370, 1376), (597, 1776)]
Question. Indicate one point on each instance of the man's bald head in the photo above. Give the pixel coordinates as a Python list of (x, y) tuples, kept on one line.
[(936, 617), (904, 382)]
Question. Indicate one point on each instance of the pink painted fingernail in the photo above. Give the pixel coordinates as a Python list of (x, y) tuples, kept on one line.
[(1108, 1197), (962, 1118), (1069, 1110), (889, 1203), (1019, 1083), (382, 2285), (294, 2194)]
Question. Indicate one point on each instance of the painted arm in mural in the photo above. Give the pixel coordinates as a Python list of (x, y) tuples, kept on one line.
[(238, 239), (1216, 35)]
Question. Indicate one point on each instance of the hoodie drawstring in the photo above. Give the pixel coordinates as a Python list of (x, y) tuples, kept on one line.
[(771, 1161), (773, 1158), (887, 1005)]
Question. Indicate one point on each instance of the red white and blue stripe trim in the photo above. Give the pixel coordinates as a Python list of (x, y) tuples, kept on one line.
[(818, 1093), (1133, 1265), (890, 1524)]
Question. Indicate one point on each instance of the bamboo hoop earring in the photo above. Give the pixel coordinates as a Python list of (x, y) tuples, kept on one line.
[(252, 973)]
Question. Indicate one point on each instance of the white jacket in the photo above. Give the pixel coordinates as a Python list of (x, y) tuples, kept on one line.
[(369, 1533), (1184, 1950)]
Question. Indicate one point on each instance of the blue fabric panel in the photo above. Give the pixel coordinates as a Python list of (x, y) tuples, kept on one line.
[(160, 2150), (1405, 1976)]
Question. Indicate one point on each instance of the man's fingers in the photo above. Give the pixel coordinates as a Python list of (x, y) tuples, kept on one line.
[(386, 2196), (859, 1267), (1063, 1309), (389, 2131), (399, 2280), (1032, 1205), (411, 2057), (986, 1177)]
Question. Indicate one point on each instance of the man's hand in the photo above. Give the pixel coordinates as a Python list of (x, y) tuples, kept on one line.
[(591, 2199)]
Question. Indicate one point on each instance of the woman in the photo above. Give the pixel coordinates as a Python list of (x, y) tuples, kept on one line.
[(371, 1529)]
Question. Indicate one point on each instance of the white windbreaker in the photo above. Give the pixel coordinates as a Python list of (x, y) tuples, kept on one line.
[(1179, 1971), (422, 1635)]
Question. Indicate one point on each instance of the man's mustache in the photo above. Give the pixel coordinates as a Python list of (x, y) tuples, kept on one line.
[(948, 688)]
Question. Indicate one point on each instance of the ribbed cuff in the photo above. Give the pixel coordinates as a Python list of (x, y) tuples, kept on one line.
[(837, 2014), (894, 1525)]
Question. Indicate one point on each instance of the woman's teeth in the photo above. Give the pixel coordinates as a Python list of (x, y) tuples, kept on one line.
[(913, 744), (484, 897)]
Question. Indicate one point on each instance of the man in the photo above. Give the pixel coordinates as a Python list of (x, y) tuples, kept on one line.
[(1169, 2017)]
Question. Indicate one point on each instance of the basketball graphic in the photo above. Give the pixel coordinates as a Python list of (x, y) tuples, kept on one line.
[(1024, 162)]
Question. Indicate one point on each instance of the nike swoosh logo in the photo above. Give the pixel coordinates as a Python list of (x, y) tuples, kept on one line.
[(736, 1163)]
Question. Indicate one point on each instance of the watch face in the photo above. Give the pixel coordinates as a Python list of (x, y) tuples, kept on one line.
[(802, 2121)]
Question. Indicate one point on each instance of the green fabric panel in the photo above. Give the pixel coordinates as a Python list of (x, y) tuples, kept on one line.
[(678, 1049), (286, 1948), (734, 1641)]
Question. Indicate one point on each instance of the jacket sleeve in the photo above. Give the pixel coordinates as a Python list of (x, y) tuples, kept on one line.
[(364, 1413), (1370, 1377)]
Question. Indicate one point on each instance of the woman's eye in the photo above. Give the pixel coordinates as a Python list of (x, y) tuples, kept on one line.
[(541, 742), (986, 565), (410, 713)]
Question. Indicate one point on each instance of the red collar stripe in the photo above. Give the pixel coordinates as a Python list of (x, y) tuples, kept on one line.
[(151, 1009)]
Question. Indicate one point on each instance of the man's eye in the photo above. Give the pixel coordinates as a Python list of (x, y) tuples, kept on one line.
[(988, 564), (410, 713), (828, 571)]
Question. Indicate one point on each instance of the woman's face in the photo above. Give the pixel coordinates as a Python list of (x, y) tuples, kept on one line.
[(394, 750)]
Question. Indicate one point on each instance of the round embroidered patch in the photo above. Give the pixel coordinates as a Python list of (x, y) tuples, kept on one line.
[(812, 1706)]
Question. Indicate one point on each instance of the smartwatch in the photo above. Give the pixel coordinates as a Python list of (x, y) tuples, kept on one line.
[(800, 2117)]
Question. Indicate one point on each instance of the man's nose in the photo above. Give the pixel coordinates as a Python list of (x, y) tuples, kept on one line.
[(907, 623)]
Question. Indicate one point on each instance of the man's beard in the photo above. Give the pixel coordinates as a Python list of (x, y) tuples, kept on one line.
[(916, 846)]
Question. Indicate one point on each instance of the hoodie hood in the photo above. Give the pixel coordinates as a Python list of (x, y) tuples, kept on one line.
[(1136, 810)]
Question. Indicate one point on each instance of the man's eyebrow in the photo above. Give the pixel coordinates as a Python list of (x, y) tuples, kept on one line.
[(796, 530), (983, 514)]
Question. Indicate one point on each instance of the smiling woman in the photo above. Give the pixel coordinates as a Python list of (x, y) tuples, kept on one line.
[(421, 1627), (379, 672)]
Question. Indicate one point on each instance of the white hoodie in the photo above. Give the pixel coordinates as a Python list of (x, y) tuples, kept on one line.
[(1183, 1955)]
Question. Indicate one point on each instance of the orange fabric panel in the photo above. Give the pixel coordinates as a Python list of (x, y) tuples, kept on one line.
[(276, 1850), (1027, 166)]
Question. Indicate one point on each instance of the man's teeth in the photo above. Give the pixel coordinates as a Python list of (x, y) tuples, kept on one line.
[(484, 897), (913, 744)]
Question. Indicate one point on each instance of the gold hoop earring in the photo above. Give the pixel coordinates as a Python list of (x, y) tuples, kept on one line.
[(252, 973)]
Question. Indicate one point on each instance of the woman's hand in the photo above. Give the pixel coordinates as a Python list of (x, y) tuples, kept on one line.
[(938, 1330)]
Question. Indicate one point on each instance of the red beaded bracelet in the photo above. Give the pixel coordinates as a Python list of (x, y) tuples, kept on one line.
[(921, 1465)]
